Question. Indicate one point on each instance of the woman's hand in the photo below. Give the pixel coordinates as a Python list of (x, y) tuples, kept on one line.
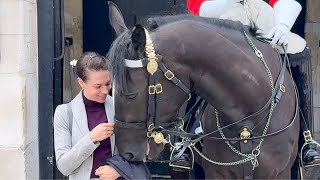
[(107, 172), (101, 132)]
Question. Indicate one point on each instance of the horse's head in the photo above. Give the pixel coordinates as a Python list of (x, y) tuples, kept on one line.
[(144, 103)]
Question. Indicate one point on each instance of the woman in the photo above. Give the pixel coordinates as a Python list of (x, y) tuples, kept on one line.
[(83, 128)]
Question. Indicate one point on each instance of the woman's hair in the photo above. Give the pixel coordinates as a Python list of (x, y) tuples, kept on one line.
[(91, 61)]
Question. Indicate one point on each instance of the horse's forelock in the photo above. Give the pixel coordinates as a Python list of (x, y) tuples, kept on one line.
[(117, 53)]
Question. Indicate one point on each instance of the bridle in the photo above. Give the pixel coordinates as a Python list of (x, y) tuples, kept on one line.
[(154, 62)]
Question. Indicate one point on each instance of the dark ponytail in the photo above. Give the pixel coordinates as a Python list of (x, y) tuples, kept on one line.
[(90, 61)]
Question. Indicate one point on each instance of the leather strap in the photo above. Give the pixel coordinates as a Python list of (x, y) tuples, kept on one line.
[(246, 147)]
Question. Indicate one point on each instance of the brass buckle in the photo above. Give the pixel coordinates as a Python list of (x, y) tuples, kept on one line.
[(307, 136), (158, 88), (151, 127), (282, 88), (152, 89), (169, 75)]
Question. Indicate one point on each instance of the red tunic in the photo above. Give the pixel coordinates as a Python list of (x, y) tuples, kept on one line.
[(194, 5), (272, 2)]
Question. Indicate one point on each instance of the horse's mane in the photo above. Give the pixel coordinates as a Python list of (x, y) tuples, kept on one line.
[(119, 48), (116, 55), (153, 23)]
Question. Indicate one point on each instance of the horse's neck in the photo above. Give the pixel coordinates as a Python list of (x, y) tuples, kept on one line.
[(227, 75), (221, 65)]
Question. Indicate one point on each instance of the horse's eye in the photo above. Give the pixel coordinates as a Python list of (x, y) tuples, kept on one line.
[(131, 95)]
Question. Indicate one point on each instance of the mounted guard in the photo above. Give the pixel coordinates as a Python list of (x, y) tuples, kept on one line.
[(274, 23), (251, 96)]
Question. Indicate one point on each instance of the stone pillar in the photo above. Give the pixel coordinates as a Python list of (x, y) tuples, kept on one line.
[(312, 36), (19, 90)]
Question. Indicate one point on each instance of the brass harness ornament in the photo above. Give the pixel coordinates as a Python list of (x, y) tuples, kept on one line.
[(245, 134), (152, 67)]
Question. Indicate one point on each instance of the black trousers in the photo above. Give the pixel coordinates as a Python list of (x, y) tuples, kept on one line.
[(301, 73), (300, 66)]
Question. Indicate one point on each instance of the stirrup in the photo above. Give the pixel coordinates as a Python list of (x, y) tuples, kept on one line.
[(174, 165), (308, 140), (302, 166)]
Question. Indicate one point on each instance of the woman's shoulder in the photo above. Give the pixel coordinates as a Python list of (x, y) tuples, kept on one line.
[(109, 101), (74, 102), (61, 109)]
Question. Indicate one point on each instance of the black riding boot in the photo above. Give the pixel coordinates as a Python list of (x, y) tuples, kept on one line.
[(180, 168), (301, 72), (309, 155)]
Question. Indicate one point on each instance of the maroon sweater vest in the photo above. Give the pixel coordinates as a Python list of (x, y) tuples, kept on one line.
[(96, 114)]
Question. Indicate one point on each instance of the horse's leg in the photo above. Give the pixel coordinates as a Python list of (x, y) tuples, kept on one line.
[(285, 174)]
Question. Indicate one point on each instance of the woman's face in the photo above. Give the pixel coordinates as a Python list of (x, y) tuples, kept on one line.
[(97, 85)]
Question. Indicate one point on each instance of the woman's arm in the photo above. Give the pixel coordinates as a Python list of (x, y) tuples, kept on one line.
[(69, 158)]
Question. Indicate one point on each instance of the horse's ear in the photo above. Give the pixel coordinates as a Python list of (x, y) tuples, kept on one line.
[(116, 18), (138, 38)]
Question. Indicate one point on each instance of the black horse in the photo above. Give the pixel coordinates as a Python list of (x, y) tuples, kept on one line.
[(220, 62)]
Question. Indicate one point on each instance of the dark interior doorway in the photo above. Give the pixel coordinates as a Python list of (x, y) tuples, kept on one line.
[(298, 26), (97, 32)]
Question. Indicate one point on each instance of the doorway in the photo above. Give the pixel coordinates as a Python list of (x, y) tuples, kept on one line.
[(97, 32)]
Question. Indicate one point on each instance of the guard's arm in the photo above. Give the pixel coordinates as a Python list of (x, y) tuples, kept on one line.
[(285, 15)]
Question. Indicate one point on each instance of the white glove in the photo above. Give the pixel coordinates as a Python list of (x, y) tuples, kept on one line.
[(285, 14), (279, 34), (215, 8)]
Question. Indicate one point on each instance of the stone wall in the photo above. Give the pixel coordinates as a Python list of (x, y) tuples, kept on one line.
[(313, 40), (19, 154)]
